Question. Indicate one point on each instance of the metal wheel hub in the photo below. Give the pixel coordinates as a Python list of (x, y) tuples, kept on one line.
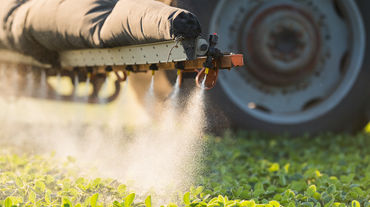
[(283, 43), (302, 57)]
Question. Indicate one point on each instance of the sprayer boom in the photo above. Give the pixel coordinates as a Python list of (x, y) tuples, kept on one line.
[(184, 55)]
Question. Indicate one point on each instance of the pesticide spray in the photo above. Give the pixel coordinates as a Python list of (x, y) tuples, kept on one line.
[(156, 155)]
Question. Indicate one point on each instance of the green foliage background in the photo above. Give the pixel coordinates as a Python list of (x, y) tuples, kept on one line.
[(242, 169)]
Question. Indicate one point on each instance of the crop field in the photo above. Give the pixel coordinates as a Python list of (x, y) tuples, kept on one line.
[(242, 169)]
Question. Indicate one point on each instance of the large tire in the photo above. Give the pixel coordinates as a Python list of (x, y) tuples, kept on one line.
[(342, 108)]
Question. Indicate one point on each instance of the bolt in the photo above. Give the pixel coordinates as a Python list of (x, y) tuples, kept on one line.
[(203, 47)]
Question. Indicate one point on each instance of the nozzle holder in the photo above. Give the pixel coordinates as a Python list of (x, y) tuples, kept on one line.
[(130, 68), (108, 69), (75, 69), (180, 65), (89, 69), (213, 52), (153, 67)]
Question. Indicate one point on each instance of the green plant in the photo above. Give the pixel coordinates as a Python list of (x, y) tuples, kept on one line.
[(245, 169)]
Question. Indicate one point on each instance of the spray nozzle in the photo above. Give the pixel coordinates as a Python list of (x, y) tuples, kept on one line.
[(206, 78), (89, 71), (206, 71), (153, 68)]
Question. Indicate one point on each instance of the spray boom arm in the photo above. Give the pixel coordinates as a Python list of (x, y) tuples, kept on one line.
[(184, 55)]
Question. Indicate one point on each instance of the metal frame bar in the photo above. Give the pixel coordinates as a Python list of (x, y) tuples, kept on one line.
[(140, 57), (154, 53)]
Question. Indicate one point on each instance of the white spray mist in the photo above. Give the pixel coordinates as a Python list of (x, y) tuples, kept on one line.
[(160, 157)]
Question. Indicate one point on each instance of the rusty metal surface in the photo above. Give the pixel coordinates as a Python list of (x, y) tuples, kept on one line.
[(284, 44)]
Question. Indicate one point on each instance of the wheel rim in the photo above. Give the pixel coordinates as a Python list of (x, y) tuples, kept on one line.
[(303, 57)]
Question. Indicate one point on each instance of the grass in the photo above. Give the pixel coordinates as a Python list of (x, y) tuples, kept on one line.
[(238, 170)]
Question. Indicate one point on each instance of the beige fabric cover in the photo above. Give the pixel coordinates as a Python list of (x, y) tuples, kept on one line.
[(41, 28)]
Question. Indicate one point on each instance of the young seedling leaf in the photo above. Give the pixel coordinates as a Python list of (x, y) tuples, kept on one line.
[(48, 197), (116, 204), (32, 197), (121, 189), (172, 205), (8, 202), (40, 186), (129, 200), (94, 200), (148, 201), (187, 198), (199, 190), (355, 203), (274, 204), (66, 202)]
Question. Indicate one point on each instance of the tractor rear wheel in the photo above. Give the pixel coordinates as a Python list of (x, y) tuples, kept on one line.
[(307, 65)]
